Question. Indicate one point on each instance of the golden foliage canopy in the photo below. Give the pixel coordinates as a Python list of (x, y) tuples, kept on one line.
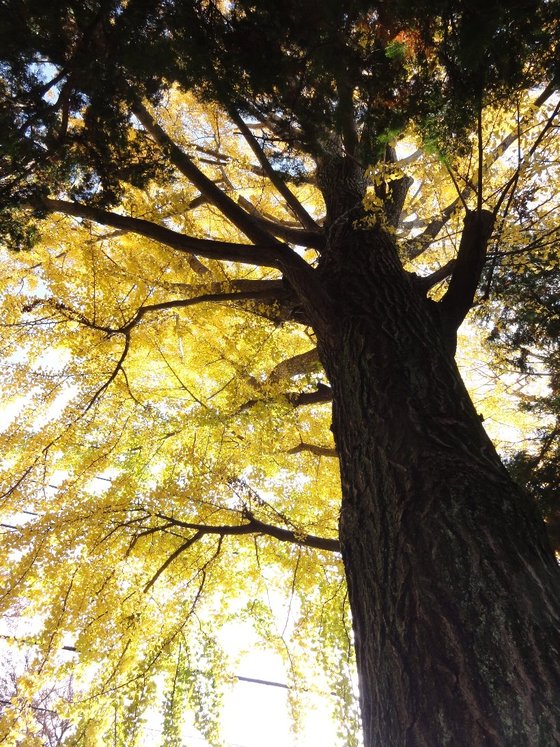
[(167, 463)]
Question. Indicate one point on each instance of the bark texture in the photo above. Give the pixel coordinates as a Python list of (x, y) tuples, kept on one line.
[(453, 588)]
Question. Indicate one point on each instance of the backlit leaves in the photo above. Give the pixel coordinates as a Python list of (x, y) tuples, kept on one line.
[(167, 462)]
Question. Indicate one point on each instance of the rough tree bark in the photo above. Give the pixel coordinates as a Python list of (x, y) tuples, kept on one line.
[(454, 590)]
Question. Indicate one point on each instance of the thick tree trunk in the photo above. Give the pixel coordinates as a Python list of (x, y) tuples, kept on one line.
[(453, 588)]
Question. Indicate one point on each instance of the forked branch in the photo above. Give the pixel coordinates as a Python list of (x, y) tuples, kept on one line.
[(229, 209), (292, 202), (301, 237), (252, 526)]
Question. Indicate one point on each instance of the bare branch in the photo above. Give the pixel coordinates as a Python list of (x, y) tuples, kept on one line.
[(500, 149), (252, 526), (313, 239), (323, 393), (236, 291), (112, 377), (410, 158), (419, 244), (174, 555), (512, 183), (425, 283), (270, 290)]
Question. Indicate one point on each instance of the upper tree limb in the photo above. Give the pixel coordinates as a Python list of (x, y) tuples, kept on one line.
[(230, 209), (467, 268)]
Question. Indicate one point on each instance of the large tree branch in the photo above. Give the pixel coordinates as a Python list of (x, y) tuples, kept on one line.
[(419, 244), (302, 278), (393, 192), (235, 290), (466, 274), (345, 108), (251, 526), (397, 191), (323, 451), (323, 393), (297, 364), (255, 526), (277, 310), (267, 255), (443, 272), (268, 291)]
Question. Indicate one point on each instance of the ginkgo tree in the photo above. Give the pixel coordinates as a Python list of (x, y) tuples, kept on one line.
[(239, 241)]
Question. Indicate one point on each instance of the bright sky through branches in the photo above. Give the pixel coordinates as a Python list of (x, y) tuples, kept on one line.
[(244, 248)]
